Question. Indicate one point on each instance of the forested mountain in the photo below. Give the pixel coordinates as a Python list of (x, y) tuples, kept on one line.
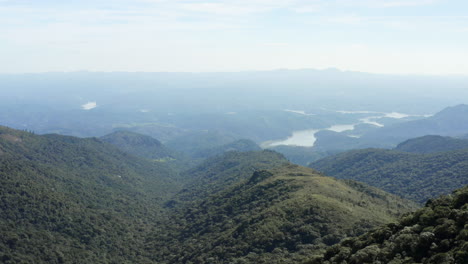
[(431, 144), (140, 145), (417, 177), (283, 215), (435, 234), (71, 200), (220, 172), (67, 199)]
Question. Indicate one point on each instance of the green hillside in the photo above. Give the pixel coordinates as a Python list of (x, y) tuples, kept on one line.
[(435, 234), (71, 200), (417, 177), (283, 215), (432, 144)]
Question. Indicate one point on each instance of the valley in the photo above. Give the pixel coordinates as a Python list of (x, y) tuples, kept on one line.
[(124, 176), (242, 205), (233, 132)]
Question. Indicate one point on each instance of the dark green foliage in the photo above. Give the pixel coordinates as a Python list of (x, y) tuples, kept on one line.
[(417, 177), (437, 233), (282, 215), (432, 144), (71, 200)]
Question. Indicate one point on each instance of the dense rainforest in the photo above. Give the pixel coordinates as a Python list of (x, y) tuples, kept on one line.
[(274, 216), (414, 176), (128, 198), (66, 199), (435, 234)]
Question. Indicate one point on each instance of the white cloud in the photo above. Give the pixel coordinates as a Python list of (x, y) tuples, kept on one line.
[(89, 106)]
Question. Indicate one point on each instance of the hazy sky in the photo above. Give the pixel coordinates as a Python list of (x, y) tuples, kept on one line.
[(385, 36)]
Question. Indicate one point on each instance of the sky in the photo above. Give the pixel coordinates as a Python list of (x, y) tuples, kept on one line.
[(378, 36)]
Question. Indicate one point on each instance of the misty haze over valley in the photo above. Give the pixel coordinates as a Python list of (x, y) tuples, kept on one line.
[(270, 132)]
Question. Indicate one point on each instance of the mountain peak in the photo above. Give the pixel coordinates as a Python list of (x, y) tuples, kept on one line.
[(453, 111)]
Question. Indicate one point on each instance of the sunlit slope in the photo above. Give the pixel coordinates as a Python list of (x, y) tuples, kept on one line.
[(414, 176), (437, 233), (274, 216)]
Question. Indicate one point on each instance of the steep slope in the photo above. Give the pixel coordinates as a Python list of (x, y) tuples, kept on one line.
[(220, 172), (417, 177), (437, 233), (67, 199), (431, 144), (275, 215)]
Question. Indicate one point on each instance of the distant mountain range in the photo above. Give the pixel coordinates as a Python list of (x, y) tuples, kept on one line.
[(432, 144), (451, 121)]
